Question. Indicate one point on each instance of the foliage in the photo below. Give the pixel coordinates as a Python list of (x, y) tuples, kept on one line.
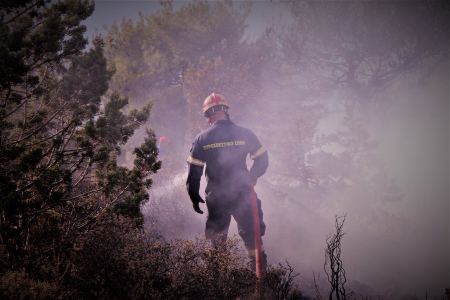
[(279, 283), (222, 272), (19, 285), (177, 57), (70, 215), (366, 45), (60, 136), (117, 261)]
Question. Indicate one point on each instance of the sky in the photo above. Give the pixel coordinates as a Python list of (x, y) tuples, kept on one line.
[(109, 11), (413, 144)]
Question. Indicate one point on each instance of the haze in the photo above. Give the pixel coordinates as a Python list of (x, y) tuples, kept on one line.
[(380, 156)]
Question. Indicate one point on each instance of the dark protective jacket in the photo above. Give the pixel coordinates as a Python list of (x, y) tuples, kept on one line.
[(223, 148)]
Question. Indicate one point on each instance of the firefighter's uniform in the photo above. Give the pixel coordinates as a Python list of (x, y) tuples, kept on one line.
[(223, 149)]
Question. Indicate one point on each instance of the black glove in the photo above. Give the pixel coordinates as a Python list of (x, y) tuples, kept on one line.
[(196, 204)]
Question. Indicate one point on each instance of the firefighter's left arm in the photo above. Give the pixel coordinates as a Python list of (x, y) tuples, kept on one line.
[(259, 156)]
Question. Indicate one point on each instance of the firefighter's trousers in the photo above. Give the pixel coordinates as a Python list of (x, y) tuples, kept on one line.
[(222, 206)]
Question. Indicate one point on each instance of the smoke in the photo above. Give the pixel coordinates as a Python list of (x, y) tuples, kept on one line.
[(397, 222), (384, 163), (397, 231)]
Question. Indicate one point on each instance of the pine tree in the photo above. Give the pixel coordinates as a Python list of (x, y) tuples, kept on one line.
[(60, 135)]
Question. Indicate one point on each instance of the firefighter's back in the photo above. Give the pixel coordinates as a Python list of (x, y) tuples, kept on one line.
[(224, 148)]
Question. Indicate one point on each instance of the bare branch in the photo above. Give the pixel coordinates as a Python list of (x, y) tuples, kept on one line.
[(333, 265)]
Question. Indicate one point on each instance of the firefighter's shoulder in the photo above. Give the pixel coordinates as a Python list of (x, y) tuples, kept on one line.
[(246, 132), (199, 138)]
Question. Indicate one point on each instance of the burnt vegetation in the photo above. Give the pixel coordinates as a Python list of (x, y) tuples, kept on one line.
[(334, 266), (71, 225)]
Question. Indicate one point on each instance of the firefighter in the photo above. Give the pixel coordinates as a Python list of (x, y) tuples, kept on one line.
[(223, 149)]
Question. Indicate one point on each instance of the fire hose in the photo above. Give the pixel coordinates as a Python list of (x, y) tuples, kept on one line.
[(257, 233)]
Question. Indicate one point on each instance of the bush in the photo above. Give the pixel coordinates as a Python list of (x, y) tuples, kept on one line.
[(201, 271), (279, 283), (18, 285), (118, 261)]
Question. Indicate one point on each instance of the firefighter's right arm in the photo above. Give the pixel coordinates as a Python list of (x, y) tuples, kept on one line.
[(195, 173), (193, 186)]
